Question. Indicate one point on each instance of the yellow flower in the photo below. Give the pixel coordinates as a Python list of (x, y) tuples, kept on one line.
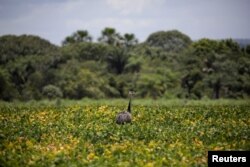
[(151, 144), (29, 144), (107, 153), (91, 156), (10, 145), (149, 164)]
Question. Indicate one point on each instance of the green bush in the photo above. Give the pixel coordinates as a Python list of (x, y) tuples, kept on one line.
[(51, 92)]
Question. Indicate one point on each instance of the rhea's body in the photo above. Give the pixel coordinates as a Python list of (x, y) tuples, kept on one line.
[(123, 117)]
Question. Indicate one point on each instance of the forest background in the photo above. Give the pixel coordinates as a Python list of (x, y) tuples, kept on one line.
[(167, 65)]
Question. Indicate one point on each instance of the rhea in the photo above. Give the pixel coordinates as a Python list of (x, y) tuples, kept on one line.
[(125, 116)]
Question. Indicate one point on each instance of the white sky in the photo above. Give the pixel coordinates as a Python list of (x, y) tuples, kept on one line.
[(56, 19)]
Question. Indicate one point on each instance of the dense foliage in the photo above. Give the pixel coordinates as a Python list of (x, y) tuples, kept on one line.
[(172, 134), (168, 64), (171, 41)]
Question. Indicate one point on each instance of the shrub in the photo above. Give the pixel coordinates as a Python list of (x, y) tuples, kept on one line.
[(51, 91)]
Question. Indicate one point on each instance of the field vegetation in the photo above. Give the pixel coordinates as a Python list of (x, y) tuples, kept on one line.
[(84, 133)]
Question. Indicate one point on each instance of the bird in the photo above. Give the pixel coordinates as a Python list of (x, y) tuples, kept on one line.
[(125, 116)]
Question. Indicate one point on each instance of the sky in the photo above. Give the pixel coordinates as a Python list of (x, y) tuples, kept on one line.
[(56, 19)]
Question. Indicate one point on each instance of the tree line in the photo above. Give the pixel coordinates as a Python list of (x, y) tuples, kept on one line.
[(167, 65)]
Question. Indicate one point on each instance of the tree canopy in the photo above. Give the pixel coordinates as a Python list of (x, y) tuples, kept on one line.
[(168, 64), (173, 40)]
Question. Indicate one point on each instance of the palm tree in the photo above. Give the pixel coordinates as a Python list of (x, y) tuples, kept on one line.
[(117, 60), (110, 36), (68, 40), (82, 36), (77, 37), (130, 40)]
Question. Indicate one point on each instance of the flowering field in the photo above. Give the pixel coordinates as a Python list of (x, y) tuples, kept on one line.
[(83, 134)]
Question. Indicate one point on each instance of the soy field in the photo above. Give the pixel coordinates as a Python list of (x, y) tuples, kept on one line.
[(84, 133)]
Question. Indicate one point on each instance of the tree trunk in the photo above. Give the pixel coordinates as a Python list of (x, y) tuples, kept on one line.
[(216, 91), (189, 91)]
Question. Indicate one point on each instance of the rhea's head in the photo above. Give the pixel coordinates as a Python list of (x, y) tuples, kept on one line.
[(131, 93)]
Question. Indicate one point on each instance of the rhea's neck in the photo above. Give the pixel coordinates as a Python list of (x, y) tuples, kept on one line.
[(129, 105)]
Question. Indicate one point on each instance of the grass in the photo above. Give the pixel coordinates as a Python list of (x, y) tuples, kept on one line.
[(83, 133)]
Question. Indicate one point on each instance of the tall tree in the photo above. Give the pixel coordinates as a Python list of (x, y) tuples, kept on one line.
[(77, 37), (212, 69), (13, 47), (111, 37), (117, 60), (130, 40), (171, 41)]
